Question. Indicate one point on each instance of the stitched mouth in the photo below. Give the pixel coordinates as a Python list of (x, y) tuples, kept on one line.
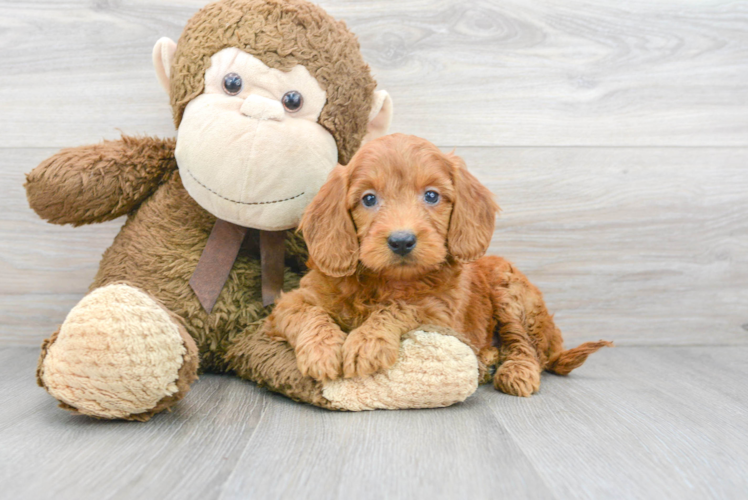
[(244, 202)]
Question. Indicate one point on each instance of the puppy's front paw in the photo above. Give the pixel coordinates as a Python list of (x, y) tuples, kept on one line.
[(321, 360), (364, 354), (518, 378)]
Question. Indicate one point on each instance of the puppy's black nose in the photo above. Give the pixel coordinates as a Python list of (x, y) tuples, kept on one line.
[(402, 242)]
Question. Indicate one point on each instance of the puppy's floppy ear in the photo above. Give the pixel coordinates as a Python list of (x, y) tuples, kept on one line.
[(473, 215), (328, 228)]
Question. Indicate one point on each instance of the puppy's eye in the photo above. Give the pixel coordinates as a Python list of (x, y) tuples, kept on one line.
[(431, 197), (232, 84), (369, 200), (292, 101)]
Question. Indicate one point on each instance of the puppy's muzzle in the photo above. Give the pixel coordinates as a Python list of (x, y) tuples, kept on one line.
[(402, 242)]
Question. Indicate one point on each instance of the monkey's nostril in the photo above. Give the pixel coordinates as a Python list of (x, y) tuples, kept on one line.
[(402, 242)]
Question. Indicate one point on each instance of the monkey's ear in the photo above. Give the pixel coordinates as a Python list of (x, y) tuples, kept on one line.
[(163, 56), (328, 228), (380, 116)]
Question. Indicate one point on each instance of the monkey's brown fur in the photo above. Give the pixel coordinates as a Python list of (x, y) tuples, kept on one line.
[(348, 315), (159, 245)]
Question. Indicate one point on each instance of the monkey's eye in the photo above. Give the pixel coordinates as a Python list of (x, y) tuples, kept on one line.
[(431, 197), (292, 101), (369, 200), (232, 84)]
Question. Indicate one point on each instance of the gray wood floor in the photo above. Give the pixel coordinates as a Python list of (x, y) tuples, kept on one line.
[(634, 422)]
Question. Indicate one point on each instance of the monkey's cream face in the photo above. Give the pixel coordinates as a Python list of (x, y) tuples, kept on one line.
[(249, 149)]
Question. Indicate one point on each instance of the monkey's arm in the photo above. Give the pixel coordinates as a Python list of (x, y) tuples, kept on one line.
[(99, 182)]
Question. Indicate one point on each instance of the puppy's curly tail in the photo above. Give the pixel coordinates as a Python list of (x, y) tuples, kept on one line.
[(562, 363)]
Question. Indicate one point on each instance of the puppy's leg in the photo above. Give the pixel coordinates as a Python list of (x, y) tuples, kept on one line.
[(519, 372), (316, 339), (374, 345), (517, 305), (530, 340)]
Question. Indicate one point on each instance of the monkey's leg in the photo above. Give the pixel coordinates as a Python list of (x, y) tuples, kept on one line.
[(271, 363), (118, 355), (433, 369)]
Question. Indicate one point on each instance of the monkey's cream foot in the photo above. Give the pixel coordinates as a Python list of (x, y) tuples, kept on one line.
[(432, 370), (518, 377), (118, 355)]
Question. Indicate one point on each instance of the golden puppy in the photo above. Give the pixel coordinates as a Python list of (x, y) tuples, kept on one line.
[(395, 241)]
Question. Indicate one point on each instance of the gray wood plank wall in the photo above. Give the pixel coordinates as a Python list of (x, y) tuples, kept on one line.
[(615, 135)]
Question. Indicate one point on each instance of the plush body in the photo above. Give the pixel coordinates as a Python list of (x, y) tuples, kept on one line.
[(132, 346), (367, 289)]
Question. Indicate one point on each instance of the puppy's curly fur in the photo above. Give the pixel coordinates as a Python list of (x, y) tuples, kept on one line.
[(365, 289)]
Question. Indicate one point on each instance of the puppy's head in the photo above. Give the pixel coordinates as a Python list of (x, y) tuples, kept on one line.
[(400, 208)]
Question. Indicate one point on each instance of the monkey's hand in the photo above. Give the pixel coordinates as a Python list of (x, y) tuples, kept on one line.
[(99, 182)]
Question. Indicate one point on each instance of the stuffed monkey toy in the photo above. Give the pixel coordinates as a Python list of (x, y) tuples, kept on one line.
[(267, 97)]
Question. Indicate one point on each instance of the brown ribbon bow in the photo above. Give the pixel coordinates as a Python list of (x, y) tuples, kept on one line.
[(220, 253)]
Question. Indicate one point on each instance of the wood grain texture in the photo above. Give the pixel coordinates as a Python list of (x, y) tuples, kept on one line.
[(644, 246), (677, 413), (46, 452), (479, 73), (44, 269), (458, 453), (639, 245), (615, 135), (633, 422)]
